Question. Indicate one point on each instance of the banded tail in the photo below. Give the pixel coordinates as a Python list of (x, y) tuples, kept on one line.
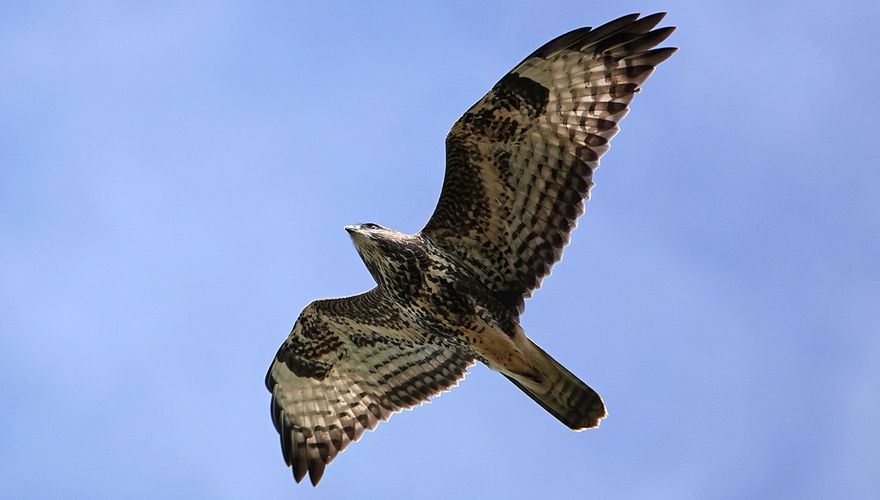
[(560, 392)]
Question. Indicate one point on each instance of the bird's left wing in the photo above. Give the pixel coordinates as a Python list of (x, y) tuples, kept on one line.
[(348, 364)]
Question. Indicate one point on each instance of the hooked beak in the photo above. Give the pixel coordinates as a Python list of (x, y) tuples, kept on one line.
[(351, 230)]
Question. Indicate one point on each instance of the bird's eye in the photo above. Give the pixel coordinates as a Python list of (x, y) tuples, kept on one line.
[(370, 225)]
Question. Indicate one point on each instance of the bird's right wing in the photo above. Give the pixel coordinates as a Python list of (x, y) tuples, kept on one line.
[(520, 162), (348, 364)]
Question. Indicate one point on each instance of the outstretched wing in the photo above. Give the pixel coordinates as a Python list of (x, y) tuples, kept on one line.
[(348, 364), (519, 163)]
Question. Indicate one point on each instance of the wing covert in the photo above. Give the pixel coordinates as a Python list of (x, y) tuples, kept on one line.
[(519, 163)]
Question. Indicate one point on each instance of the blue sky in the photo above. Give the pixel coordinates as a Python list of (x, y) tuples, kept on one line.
[(175, 178)]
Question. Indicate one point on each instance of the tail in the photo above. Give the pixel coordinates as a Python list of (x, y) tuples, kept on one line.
[(561, 393)]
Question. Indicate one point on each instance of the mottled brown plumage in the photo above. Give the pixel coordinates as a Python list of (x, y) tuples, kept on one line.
[(519, 167)]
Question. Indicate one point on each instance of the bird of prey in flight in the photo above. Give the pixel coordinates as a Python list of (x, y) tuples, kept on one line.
[(519, 165)]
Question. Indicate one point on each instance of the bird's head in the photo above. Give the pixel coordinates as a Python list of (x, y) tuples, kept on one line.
[(368, 234), (387, 253), (373, 238)]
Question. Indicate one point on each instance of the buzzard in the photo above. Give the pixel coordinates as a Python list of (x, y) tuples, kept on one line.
[(519, 165)]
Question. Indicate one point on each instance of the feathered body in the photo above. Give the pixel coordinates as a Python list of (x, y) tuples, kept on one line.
[(519, 167)]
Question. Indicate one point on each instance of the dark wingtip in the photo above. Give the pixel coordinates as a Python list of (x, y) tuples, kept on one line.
[(666, 51), (657, 15), (316, 471), (661, 34), (299, 463), (297, 475)]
